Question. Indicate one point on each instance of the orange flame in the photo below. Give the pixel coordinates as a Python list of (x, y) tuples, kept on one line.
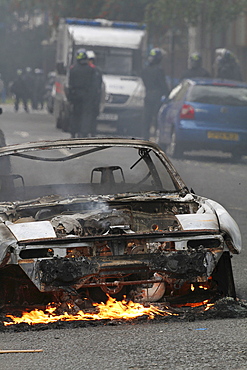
[(112, 309)]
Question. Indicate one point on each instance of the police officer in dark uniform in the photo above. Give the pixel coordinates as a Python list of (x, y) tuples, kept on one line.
[(80, 94), (97, 91), (20, 90), (154, 79), (227, 66), (195, 68)]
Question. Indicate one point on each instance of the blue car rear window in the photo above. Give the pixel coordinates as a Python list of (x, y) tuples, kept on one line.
[(218, 95)]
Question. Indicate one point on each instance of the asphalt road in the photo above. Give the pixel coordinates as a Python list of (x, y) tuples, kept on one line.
[(211, 344)]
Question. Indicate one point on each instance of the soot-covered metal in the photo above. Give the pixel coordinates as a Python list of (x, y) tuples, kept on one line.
[(130, 229)]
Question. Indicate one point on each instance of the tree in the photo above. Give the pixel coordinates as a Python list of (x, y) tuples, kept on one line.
[(170, 14), (128, 10)]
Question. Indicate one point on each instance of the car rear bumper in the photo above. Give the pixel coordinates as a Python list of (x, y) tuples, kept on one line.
[(190, 136)]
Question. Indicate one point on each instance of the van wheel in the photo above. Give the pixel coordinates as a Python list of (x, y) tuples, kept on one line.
[(173, 149)]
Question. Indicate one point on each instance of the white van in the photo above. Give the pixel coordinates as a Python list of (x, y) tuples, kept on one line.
[(119, 48)]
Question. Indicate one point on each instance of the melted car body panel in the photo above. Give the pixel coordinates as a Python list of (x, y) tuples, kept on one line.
[(110, 216)]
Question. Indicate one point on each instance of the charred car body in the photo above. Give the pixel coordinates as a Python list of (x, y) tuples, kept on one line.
[(82, 219)]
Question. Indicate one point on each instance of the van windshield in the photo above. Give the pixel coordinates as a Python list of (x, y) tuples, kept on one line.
[(115, 61)]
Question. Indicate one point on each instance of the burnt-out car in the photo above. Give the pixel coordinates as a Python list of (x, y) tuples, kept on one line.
[(84, 219)]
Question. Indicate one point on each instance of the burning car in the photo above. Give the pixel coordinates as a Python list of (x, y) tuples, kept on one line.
[(85, 219)]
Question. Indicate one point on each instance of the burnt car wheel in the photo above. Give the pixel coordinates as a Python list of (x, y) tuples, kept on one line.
[(223, 276), (173, 149)]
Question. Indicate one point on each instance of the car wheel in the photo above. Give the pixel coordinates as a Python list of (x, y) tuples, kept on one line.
[(224, 277), (2, 139), (162, 145), (236, 156), (173, 149)]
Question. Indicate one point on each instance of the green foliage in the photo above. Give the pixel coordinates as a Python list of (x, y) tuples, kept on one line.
[(175, 14), (17, 37), (161, 14), (127, 10)]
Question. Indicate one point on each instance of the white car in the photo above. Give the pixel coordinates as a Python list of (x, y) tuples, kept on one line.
[(82, 219)]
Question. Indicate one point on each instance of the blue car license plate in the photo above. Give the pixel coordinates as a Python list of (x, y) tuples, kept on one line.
[(231, 136)]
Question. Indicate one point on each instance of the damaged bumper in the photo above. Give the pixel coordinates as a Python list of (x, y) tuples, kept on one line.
[(112, 262)]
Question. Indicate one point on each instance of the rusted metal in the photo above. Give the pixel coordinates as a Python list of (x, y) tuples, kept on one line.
[(116, 283)]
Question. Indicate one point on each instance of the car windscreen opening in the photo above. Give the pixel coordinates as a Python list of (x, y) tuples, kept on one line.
[(82, 171)]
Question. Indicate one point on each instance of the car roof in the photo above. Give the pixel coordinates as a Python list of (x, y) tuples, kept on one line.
[(49, 144), (215, 81)]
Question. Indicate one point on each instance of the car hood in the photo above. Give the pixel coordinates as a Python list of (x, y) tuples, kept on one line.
[(114, 213)]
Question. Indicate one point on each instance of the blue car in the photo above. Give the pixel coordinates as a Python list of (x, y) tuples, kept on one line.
[(204, 114)]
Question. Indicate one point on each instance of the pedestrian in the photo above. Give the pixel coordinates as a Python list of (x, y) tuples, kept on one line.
[(96, 91), (81, 85), (38, 89), (1, 88), (49, 88), (154, 80), (20, 90), (227, 65), (29, 80), (195, 68)]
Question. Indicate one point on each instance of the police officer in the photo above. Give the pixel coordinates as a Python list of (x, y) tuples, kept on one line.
[(154, 79), (97, 91), (28, 77), (38, 89), (195, 68), (20, 90), (81, 82), (227, 66)]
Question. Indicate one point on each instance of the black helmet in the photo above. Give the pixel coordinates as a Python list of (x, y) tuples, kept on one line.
[(81, 55), (228, 57), (155, 56), (195, 60)]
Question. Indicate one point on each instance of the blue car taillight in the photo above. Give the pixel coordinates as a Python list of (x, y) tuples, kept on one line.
[(187, 112)]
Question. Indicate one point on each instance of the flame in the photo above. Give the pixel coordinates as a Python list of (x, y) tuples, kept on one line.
[(112, 309)]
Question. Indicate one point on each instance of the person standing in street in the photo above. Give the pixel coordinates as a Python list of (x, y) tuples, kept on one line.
[(29, 80), (20, 90), (97, 91), (38, 92), (195, 68), (154, 80), (227, 66), (2, 89), (81, 84)]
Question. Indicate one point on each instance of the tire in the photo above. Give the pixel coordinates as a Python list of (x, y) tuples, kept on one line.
[(173, 148), (236, 157), (2, 139), (224, 277)]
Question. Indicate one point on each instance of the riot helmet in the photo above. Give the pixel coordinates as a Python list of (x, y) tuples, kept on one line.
[(155, 56), (195, 60), (81, 56), (91, 55)]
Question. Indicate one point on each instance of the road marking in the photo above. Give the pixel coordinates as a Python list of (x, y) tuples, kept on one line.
[(22, 133)]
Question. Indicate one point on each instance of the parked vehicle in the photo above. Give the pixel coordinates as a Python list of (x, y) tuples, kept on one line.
[(119, 48), (204, 114), (84, 219)]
